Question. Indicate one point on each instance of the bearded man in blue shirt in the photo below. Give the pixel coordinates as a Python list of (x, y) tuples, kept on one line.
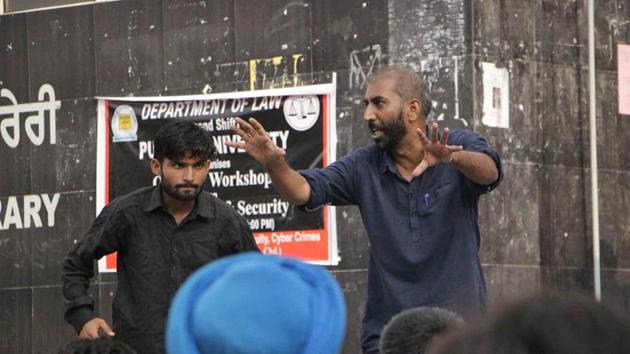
[(417, 193)]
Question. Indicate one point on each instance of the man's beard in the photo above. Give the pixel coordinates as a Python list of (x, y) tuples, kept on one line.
[(176, 193), (391, 132)]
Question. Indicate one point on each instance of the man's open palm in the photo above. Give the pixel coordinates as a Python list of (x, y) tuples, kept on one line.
[(435, 151)]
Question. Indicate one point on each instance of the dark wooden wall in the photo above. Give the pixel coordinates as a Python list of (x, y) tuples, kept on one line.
[(536, 228)]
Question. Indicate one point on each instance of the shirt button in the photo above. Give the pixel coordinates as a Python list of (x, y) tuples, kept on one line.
[(412, 195), (413, 213)]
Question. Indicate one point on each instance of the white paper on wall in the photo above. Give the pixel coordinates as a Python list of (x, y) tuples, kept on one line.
[(496, 96)]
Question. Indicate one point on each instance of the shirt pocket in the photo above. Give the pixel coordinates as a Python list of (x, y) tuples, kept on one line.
[(203, 249), (436, 198)]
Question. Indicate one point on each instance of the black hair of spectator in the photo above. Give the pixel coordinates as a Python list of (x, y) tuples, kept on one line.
[(96, 346), (550, 323), (411, 331), (181, 138)]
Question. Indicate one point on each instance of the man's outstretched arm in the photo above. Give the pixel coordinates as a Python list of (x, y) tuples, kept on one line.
[(478, 167), (256, 141)]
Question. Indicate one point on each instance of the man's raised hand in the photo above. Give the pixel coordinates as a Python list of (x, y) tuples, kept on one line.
[(435, 151), (256, 141)]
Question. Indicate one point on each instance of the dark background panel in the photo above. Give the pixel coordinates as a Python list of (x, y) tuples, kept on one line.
[(509, 218), (106, 294), (519, 280), (562, 110), (449, 84), (61, 51), (559, 39), (353, 284), (16, 248), (198, 38), (611, 28), (16, 321), (564, 219), (272, 28), (16, 171), (73, 217), (612, 127), (351, 239), (493, 274), (106, 278), (421, 30), (508, 281), (536, 228), (504, 28), (13, 67), (616, 288), (21, 5), (569, 279), (614, 221), (346, 33), (50, 331), (129, 47), (216, 86), (70, 164)]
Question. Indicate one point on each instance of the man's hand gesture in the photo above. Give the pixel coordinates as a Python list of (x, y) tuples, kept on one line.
[(435, 151), (256, 142), (93, 328)]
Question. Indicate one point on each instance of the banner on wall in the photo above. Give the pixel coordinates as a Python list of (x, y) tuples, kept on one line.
[(300, 120)]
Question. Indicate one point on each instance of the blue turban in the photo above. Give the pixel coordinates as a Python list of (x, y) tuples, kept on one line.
[(255, 304)]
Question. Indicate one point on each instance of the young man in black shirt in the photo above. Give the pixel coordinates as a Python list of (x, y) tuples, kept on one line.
[(162, 234)]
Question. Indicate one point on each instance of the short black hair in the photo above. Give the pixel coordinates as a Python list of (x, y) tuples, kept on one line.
[(103, 345), (412, 330), (182, 138)]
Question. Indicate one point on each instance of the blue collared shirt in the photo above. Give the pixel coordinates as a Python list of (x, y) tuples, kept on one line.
[(424, 234)]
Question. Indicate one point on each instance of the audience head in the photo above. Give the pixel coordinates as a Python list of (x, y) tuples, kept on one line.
[(105, 345), (252, 303), (544, 324), (411, 331)]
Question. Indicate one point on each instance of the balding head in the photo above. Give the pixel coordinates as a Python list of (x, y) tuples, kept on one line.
[(409, 85)]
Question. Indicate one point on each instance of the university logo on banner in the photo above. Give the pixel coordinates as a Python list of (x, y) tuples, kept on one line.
[(300, 120)]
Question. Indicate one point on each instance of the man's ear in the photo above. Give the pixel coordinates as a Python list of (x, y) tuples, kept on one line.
[(155, 167), (414, 110)]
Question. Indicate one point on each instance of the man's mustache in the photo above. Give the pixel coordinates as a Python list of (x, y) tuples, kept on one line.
[(187, 185), (375, 126)]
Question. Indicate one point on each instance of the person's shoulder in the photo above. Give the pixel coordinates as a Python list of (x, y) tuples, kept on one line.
[(461, 132), (136, 198), (369, 150), (366, 153), (459, 136)]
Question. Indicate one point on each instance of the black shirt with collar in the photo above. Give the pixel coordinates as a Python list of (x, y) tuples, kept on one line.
[(155, 256)]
